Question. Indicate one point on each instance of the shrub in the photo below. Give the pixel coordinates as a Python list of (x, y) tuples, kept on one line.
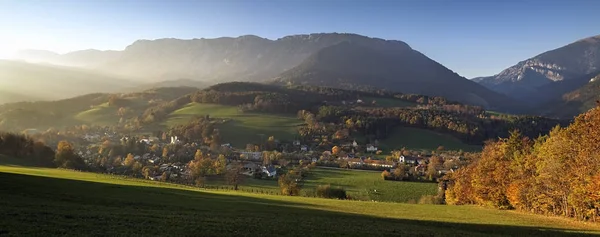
[(431, 199), (386, 175), (326, 191)]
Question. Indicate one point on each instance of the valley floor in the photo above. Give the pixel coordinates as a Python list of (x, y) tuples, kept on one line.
[(50, 202)]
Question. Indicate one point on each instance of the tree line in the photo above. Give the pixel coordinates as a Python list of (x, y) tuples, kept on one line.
[(38, 153)]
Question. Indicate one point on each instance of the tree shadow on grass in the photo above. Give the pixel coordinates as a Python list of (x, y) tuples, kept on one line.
[(32, 205)]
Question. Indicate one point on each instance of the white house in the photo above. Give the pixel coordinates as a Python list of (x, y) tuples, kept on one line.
[(174, 140), (408, 159), (354, 144), (296, 143), (270, 171), (371, 148)]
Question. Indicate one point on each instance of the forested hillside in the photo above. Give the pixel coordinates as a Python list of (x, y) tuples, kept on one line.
[(557, 174)]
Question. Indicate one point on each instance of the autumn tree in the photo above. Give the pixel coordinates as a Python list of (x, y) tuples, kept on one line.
[(385, 175), (289, 185), (335, 150), (165, 152), (129, 160), (435, 164), (400, 172), (234, 175), (164, 177), (137, 167), (198, 155), (220, 165), (154, 148), (65, 157)]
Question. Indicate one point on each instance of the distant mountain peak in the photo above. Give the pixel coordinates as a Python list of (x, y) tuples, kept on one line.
[(591, 40), (532, 79)]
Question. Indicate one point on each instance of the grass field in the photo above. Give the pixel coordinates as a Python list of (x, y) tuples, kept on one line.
[(359, 184), (99, 115), (242, 128), (417, 139), (105, 115), (53, 202)]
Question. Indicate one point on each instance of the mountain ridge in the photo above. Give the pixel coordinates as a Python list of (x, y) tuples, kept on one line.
[(222, 59), (348, 66), (528, 79)]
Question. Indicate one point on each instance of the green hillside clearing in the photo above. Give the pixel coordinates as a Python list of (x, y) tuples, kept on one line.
[(241, 128), (52, 202), (415, 138)]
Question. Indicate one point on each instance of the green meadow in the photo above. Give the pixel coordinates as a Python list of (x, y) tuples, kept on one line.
[(362, 185), (422, 139), (240, 128), (368, 185)]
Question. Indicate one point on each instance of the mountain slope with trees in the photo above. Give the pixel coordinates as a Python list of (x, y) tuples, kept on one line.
[(353, 66)]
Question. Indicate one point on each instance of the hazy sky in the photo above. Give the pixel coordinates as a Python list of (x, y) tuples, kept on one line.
[(471, 37)]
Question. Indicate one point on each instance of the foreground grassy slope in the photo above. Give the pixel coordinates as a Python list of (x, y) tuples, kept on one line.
[(50, 202), (242, 128), (417, 139)]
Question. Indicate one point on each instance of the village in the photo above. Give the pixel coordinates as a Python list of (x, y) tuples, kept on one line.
[(168, 158)]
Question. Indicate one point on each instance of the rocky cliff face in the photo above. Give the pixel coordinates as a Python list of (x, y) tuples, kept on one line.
[(527, 79)]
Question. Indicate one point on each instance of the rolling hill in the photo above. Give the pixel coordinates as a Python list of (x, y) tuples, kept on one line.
[(169, 84), (241, 128), (353, 66), (61, 202), (27, 81), (530, 80), (90, 109)]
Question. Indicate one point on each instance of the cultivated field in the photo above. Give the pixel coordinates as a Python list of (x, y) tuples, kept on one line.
[(240, 128), (52, 202)]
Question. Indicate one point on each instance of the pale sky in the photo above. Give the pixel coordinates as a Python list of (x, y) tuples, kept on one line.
[(471, 37)]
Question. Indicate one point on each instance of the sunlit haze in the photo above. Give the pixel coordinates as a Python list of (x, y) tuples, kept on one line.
[(474, 38)]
